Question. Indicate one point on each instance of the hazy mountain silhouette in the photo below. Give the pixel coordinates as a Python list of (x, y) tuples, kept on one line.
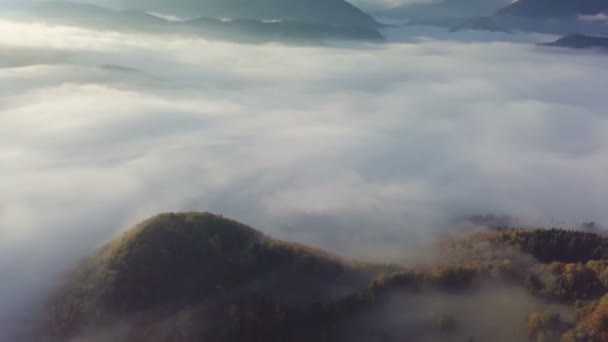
[(326, 12), (561, 17), (241, 30), (554, 8), (547, 16), (481, 24), (256, 30), (579, 41), (445, 13)]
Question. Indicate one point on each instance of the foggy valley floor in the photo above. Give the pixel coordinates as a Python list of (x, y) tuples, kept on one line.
[(366, 150)]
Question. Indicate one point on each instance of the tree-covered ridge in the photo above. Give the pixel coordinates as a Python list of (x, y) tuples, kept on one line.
[(593, 326), (187, 258), (557, 244), (568, 281), (201, 277)]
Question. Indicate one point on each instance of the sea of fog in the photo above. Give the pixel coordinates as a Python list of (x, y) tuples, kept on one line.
[(359, 148)]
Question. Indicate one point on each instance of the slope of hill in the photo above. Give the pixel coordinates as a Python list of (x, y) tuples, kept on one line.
[(175, 260), (200, 277), (578, 41), (325, 12)]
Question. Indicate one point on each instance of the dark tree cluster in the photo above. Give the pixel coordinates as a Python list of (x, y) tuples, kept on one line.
[(567, 246)]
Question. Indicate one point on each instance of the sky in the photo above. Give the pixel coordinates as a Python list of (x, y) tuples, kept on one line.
[(359, 148)]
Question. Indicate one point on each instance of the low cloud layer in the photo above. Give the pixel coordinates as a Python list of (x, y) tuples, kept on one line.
[(358, 148), (416, 317)]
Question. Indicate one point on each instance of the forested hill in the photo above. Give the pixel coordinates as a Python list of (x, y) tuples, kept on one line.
[(202, 277)]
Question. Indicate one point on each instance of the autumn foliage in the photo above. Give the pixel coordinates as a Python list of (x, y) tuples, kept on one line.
[(201, 277)]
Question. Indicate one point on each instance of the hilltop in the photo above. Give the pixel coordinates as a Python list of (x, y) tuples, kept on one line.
[(176, 262)]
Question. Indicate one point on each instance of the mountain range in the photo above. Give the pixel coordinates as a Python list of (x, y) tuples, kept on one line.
[(241, 30), (286, 20), (326, 12), (547, 16), (562, 17)]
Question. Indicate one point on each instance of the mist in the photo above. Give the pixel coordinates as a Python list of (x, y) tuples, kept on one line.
[(492, 313), (359, 148)]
